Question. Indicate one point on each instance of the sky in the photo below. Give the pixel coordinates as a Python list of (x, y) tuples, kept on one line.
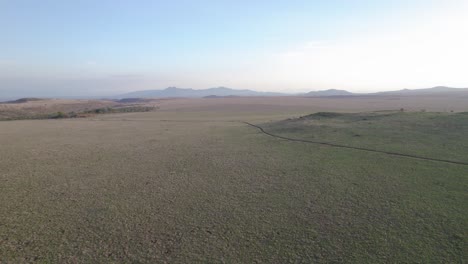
[(108, 47)]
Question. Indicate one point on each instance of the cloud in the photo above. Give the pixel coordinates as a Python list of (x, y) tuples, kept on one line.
[(426, 53)]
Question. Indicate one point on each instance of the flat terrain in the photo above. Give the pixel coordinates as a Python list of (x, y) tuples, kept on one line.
[(191, 183), (266, 106)]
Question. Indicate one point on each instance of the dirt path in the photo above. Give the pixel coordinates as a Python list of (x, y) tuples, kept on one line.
[(292, 139), (355, 148)]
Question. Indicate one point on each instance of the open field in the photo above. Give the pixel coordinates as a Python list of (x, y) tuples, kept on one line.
[(284, 105), (191, 183), (432, 135)]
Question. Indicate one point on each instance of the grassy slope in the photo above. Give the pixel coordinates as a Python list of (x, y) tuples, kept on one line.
[(436, 135), (208, 191)]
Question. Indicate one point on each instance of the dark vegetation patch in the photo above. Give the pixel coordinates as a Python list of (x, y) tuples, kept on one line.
[(133, 100), (24, 100), (349, 116), (83, 114), (323, 114), (122, 109)]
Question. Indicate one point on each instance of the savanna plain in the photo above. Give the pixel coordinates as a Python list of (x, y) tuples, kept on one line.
[(193, 181)]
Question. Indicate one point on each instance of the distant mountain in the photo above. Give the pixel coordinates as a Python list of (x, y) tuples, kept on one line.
[(191, 93), (330, 92), (428, 91), (218, 96), (223, 92), (438, 90)]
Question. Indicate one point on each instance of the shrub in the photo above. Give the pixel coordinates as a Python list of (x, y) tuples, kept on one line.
[(58, 115)]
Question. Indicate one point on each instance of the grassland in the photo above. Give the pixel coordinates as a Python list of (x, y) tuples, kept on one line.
[(431, 135), (194, 184)]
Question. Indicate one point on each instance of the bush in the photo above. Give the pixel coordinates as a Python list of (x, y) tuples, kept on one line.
[(58, 115)]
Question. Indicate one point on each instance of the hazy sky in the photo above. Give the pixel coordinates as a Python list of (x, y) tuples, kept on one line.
[(64, 47)]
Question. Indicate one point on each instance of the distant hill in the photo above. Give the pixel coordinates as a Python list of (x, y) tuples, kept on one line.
[(191, 93), (438, 90), (223, 92), (218, 96), (330, 92), (428, 91)]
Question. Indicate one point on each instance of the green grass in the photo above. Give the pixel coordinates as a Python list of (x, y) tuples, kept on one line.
[(132, 188), (434, 135)]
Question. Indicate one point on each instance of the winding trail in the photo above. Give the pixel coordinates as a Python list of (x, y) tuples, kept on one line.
[(263, 131), (355, 148)]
